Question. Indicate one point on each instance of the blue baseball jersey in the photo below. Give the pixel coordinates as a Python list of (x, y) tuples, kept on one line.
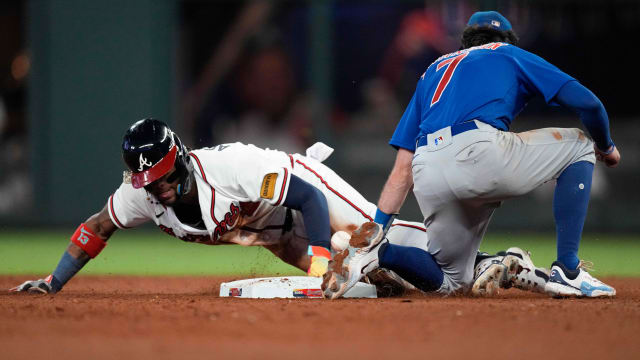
[(491, 83)]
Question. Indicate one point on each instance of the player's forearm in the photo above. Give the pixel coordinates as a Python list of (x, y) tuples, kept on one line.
[(398, 184), (597, 123), (72, 260), (590, 109), (86, 243), (312, 203)]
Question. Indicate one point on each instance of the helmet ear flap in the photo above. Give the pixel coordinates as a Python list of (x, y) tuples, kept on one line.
[(183, 151), (183, 167)]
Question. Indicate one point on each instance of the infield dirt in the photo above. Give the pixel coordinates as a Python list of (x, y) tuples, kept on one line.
[(113, 317)]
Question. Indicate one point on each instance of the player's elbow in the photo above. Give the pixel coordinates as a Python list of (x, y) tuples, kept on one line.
[(101, 225), (577, 97), (591, 104)]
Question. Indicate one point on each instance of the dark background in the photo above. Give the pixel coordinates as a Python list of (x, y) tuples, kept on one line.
[(280, 74)]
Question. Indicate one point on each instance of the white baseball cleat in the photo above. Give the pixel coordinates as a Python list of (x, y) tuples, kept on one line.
[(494, 273), (350, 265), (579, 283), (531, 278)]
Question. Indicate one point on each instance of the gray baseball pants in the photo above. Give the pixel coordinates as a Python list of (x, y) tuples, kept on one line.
[(460, 180)]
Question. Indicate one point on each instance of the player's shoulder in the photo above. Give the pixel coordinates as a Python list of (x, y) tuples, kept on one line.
[(127, 192), (229, 156), (509, 50), (494, 47), (460, 54), (229, 151)]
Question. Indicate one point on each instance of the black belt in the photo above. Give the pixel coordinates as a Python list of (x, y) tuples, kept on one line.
[(455, 130), (288, 222)]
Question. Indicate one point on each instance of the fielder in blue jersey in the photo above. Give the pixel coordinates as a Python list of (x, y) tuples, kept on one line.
[(455, 149)]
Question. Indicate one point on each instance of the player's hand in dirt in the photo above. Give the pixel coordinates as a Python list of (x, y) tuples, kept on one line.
[(319, 260), (42, 286), (611, 158)]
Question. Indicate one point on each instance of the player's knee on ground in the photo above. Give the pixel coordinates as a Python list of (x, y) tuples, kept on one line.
[(455, 281)]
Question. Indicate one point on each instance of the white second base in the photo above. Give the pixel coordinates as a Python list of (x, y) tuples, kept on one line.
[(305, 287)]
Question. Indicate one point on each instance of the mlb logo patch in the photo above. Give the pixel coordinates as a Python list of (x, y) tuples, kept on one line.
[(440, 139)]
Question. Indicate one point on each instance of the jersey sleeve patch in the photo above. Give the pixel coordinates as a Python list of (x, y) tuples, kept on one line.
[(268, 186)]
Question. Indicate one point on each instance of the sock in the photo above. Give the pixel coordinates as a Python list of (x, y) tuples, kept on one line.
[(570, 203), (412, 264)]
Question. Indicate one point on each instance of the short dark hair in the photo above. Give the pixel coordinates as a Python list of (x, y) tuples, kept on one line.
[(479, 35)]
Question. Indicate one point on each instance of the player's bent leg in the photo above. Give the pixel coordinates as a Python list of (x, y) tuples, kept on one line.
[(570, 202), (348, 209), (413, 264), (568, 156), (450, 200), (455, 233), (534, 157)]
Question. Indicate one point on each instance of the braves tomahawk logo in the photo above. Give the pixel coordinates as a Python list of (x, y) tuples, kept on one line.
[(144, 162)]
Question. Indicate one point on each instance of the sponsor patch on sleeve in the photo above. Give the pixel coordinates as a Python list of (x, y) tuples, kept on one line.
[(268, 186)]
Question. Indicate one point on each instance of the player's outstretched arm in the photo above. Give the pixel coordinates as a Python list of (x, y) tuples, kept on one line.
[(86, 243), (312, 203)]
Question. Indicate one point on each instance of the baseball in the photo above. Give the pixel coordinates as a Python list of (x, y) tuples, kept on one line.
[(340, 241)]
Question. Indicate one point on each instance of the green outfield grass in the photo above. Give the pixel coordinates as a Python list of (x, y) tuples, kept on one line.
[(143, 252)]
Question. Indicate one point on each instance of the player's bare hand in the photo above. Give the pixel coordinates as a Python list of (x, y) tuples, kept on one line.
[(611, 159), (42, 286)]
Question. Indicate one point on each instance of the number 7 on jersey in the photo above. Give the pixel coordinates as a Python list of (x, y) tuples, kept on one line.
[(450, 65)]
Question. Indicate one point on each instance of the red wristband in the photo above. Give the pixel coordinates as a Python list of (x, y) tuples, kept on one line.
[(88, 241)]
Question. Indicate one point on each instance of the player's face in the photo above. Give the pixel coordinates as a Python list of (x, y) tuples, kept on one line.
[(165, 188)]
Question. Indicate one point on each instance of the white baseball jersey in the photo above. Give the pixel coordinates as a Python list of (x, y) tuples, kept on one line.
[(241, 189)]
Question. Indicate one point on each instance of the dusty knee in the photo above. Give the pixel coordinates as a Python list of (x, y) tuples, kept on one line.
[(455, 281), (580, 136), (584, 146)]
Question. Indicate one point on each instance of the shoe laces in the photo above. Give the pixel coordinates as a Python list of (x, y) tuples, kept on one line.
[(586, 266)]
